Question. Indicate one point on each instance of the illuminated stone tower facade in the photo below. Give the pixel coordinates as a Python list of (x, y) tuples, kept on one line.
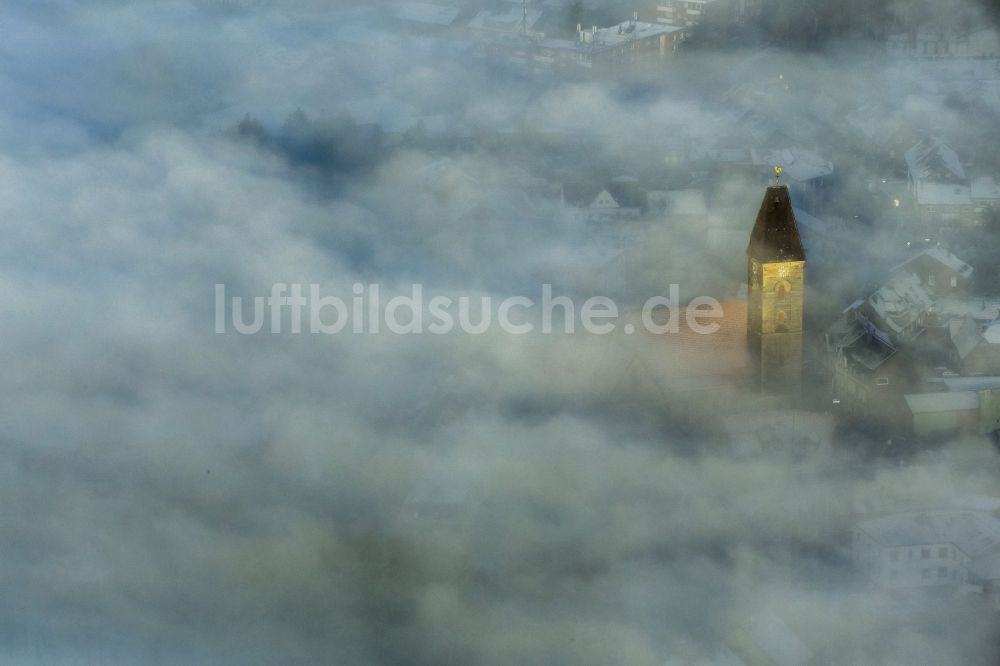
[(775, 282)]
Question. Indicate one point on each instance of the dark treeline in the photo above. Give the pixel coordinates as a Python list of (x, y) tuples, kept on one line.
[(336, 148), (811, 24)]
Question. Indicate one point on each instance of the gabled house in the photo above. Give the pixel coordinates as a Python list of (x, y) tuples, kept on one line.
[(890, 352), (943, 413), (870, 371), (925, 548), (619, 199), (976, 347), (938, 183), (939, 271)]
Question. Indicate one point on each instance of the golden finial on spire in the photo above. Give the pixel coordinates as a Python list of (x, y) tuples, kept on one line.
[(777, 175)]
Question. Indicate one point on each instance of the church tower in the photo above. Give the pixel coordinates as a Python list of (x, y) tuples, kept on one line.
[(775, 283)]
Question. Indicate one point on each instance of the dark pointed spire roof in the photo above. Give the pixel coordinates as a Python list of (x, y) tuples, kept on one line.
[(775, 236)]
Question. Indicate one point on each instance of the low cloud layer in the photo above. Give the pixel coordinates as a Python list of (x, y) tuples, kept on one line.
[(175, 496)]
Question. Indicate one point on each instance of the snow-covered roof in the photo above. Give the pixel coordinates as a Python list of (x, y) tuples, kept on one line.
[(980, 309), (940, 255), (948, 401), (949, 260), (972, 532), (900, 301), (629, 30), (798, 164), (971, 383), (933, 159)]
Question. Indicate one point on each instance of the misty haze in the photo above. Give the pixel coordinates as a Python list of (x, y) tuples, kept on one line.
[(500, 332)]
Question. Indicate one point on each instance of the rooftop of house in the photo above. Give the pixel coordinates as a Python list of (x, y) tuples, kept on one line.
[(846, 329), (870, 351), (902, 307), (933, 159), (946, 401), (980, 309), (900, 302), (940, 255), (629, 30), (598, 39), (972, 532), (624, 190), (971, 383)]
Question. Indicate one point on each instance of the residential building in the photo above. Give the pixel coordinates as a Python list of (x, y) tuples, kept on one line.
[(890, 352), (630, 48), (689, 13), (939, 184), (926, 548), (929, 42), (619, 199), (943, 414), (684, 13)]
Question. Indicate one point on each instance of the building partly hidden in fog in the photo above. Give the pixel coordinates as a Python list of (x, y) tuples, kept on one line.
[(758, 338), (931, 548), (776, 264), (919, 357), (742, 383)]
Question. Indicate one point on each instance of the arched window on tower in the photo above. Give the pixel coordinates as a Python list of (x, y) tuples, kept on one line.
[(780, 321)]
